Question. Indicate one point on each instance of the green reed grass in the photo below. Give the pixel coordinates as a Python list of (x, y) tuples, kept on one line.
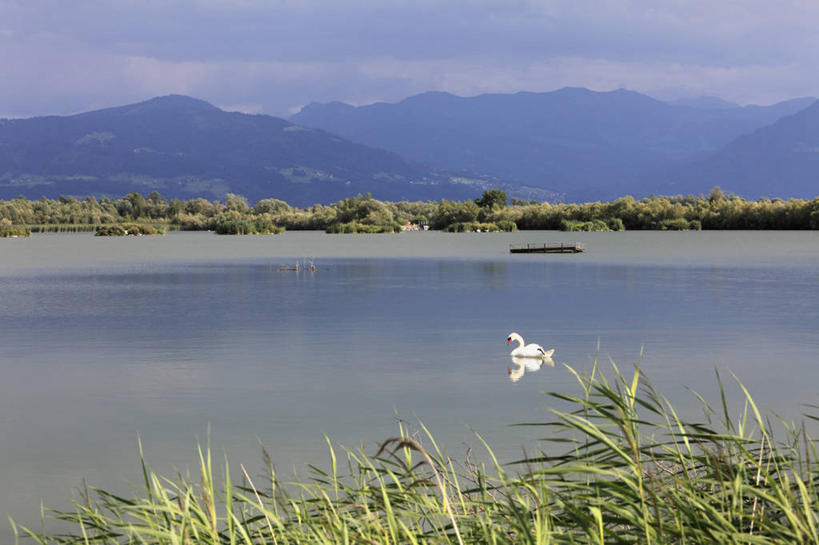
[(619, 465), (11, 232), (63, 227), (93, 227)]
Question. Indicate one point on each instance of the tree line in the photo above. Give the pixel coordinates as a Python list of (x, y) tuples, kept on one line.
[(363, 213)]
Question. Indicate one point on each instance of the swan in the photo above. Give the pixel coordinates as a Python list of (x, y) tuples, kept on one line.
[(529, 350)]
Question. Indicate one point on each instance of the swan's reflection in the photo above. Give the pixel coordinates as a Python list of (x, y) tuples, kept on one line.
[(523, 364)]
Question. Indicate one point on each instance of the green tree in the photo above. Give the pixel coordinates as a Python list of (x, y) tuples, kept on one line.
[(492, 199), (237, 203)]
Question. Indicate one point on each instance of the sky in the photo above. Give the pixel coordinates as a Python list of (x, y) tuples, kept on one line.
[(275, 56)]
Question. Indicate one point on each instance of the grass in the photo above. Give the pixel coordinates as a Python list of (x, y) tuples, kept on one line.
[(64, 227), (619, 465), (89, 227)]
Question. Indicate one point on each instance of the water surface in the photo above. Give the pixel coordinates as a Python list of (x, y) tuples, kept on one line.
[(102, 340)]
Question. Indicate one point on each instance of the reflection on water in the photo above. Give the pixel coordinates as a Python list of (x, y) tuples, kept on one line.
[(523, 364), (102, 340)]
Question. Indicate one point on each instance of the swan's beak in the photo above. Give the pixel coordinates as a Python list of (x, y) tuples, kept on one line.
[(508, 341)]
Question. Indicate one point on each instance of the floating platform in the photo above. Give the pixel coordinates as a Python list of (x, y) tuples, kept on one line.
[(547, 248)]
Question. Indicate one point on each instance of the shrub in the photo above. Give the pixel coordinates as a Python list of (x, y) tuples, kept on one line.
[(355, 227), (594, 225), (247, 227), (615, 224), (471, 227), (10, 232), (507, 225), (191, 222), (679, 224), (127, 229)]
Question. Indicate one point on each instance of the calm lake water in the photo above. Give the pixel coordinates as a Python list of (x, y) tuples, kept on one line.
[(104, 340)]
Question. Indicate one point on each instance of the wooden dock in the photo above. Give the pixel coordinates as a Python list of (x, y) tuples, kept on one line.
[(549, 248)]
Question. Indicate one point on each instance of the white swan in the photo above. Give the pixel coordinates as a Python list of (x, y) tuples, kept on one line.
[(529, 350)]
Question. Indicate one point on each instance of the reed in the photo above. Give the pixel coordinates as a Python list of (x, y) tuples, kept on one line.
[(89, 227), (355, 227), (128, 229), (247, 227), (14, 232), (619, 465), (680, 224), (63, 228)]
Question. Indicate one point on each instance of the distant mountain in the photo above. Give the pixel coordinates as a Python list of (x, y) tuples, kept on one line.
[(571, 144), (705, 103), (585, 144), (780, 160), (184, 147)]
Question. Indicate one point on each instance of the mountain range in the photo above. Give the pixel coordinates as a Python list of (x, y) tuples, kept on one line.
[(571, 144), (184, 147), (778, 160), (583, 144)]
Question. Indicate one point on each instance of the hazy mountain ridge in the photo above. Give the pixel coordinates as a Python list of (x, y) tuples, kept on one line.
[(779, 160), (184, 147), (586, 144)]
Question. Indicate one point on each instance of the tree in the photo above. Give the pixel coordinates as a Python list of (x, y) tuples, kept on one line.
[(237, 203), (716, 195), (492, 199)]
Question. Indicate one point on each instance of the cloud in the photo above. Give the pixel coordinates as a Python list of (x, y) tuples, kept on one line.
[(63, 57), (748, 32)]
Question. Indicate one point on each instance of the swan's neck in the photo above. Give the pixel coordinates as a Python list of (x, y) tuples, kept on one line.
[(520, 342)]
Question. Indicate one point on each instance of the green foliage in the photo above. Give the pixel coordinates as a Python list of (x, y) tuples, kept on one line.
[(615, 224), (507, 225), (354, 227), (594, 225), (271, 206), (236, 203), (11, 232), (813, 221), (471, 227), (618, 465), (678, 224), (492, 199), (715, 211), (237, 221), (128, 229), (450, 212)]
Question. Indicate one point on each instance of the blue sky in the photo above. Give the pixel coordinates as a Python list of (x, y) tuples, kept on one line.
[(273, 56)]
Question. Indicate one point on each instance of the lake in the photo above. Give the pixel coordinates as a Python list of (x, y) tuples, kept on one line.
[(104, 340)]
